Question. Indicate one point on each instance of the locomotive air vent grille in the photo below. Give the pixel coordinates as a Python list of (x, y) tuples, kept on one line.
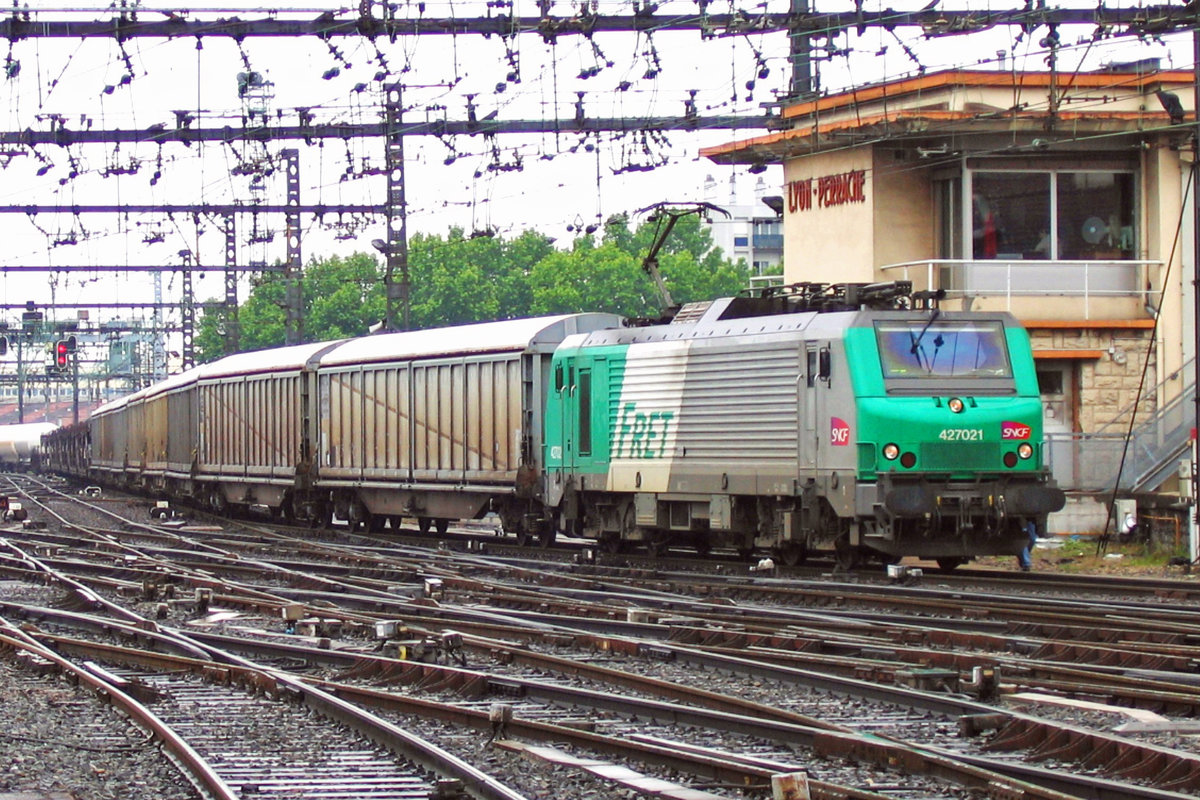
[(691, 312), (958, 456)]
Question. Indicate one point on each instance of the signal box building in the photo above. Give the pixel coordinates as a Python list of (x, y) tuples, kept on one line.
[(1058, 197)]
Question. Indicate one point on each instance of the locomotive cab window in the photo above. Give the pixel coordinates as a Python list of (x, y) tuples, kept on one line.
[(922, 349)]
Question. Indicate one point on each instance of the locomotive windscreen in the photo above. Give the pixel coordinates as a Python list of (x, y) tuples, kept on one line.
[(942, 348)]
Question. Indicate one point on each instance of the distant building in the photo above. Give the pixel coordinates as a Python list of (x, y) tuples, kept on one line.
[(1059, 197), (752, 232)]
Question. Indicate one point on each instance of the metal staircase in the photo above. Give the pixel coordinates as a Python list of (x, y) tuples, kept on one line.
[(1088, 462)]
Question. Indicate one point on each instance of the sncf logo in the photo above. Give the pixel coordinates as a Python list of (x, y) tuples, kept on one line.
[(839, 432), (1014, 430)]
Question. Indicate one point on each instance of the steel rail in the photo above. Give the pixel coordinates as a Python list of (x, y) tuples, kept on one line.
[(1077, 734), (825, 740), (200, 772)]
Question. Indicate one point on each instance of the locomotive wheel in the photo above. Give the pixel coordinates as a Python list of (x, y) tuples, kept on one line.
[(424, 523), (790, 554), (702, 544), (609, 542), (375, 522), (441, 524), (217, 501), (950, 563), (846, 554), (547, 534)]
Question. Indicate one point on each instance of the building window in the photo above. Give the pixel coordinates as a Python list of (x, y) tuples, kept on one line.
[(1062, 215), (741, 241)]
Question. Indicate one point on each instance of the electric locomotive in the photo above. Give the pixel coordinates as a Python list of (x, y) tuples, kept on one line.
[(800, 418)]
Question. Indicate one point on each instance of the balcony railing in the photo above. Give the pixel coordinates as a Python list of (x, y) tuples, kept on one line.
[(768, 241), (1087, 281)]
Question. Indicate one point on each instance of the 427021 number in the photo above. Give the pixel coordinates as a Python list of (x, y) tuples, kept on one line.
[(961, 434)]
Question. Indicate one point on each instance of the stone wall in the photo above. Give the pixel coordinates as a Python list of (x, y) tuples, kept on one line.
[(1106, 386)]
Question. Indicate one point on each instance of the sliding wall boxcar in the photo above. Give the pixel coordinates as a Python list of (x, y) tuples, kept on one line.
[(250, 412), (169, 428), (110, 437), (433, 412)]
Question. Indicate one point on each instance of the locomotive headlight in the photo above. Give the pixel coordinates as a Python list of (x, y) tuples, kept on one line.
[(891, 451), (1025, 450), (956, 405)]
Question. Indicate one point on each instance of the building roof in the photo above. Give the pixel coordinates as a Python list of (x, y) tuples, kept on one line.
[(953, 101)]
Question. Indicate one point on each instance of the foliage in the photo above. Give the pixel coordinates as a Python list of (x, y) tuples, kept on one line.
[(457, 279)]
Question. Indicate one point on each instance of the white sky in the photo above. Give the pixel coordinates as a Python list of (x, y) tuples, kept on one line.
[(565, 181)]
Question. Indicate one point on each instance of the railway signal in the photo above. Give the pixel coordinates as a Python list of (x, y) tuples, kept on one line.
[(62, 354)]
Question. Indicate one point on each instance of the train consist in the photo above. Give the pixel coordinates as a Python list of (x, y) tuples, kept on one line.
[(852, 417)]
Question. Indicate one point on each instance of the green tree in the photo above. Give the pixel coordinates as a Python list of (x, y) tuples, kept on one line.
[(457, 279), (610, 277)]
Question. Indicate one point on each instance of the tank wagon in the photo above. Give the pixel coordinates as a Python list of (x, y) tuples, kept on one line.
[(793, 419), (20, 442)]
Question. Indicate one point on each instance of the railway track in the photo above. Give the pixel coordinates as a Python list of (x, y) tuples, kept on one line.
[(646, 622)]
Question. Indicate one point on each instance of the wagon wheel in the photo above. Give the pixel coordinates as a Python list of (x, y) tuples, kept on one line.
[(424, 523), (702, 544), (441, 525), (950, 563), (657, 543), (375, 522), (287, 509), (321, 515), (547, 533), (217, 502)]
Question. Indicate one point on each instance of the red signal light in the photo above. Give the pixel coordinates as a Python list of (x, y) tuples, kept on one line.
[(60, 353)]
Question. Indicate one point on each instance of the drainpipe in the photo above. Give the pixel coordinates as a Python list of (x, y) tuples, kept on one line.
[(1193, 532)]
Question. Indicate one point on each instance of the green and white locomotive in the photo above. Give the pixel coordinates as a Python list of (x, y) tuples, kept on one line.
[(801, 418)]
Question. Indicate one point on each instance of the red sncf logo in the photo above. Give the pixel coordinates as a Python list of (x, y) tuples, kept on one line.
[(1014, 430)]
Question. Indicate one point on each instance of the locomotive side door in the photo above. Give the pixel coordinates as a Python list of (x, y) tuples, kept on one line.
[(811, 407)]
